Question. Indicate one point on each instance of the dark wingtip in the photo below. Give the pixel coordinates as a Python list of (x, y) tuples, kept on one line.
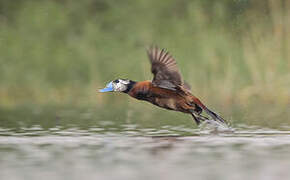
[(152, 51)]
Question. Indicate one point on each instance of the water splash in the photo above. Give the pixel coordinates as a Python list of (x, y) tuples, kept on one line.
[(213, 126)]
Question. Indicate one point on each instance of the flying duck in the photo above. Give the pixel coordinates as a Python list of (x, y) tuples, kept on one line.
[(166, 90)]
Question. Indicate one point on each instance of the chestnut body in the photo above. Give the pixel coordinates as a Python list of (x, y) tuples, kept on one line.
[(180, 100), (166, 90)]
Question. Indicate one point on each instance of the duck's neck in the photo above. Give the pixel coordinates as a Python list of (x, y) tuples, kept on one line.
[(130, 86)]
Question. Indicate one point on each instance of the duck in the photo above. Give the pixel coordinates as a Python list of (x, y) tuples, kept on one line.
[(167, 90)]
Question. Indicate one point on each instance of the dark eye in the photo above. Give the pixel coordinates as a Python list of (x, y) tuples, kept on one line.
[(116, 81)]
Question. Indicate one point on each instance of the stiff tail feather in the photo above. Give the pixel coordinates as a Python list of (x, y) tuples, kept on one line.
[(212, 114), (215, 116)]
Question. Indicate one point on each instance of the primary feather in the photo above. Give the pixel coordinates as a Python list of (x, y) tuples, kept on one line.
[(164, 68)]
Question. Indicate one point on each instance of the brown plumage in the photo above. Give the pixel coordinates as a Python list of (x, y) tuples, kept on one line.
[(164, 69), (167, 89)]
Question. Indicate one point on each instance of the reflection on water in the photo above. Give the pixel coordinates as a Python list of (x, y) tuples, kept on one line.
[(130, 152)]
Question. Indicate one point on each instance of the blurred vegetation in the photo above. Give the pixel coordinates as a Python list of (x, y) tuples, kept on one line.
[(234, 53)]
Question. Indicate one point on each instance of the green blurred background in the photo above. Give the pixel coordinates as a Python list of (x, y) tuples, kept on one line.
[(55, 54)]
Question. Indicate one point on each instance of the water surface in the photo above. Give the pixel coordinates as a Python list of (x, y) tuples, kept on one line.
[(131, 152)]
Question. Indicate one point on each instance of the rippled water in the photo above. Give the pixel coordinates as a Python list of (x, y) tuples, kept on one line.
[(131, 152)]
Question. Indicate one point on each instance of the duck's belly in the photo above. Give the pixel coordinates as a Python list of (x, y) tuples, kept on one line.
[(169, 103)]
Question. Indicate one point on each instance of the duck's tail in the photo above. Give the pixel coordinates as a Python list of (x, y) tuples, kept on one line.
[(212, 114)]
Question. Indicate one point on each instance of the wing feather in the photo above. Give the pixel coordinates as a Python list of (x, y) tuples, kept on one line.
[(164, 68)]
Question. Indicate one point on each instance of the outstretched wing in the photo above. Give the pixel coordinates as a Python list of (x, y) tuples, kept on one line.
[(164, 69)]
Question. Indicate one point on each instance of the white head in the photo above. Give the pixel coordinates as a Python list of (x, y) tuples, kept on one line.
[(119, 85)]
